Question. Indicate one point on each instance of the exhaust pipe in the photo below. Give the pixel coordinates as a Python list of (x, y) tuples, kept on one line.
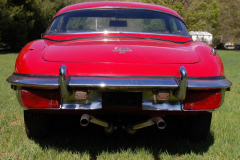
[(156, 120), (85, 119)]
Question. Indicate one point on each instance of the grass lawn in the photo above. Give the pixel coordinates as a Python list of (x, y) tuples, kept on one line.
[(73, 142)]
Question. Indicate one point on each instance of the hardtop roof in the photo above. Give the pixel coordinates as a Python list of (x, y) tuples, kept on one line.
[(117, 4)]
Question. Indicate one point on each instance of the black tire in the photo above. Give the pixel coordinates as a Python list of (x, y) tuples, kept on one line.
[(198, 126), (36, 124)]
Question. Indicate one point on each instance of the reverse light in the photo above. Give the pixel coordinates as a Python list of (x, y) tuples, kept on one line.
[(202, 100), (40, 98)]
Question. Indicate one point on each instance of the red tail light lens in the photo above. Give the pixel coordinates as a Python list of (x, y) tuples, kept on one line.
[(40, 99), (202, 100)]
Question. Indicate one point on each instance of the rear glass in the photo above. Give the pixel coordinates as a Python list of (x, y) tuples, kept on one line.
[(117, 20)]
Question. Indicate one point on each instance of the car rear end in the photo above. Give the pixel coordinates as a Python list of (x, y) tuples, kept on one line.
[(106, 100), (109, 77)]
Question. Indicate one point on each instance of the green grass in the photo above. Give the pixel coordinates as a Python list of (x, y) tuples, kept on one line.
[(71, 142)]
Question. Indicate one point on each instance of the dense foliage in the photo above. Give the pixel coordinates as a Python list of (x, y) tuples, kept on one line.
[(229, 23), (197, 14), (24, 20), (219, 17)]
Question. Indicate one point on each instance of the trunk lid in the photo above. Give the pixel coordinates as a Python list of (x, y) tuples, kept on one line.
[(121, 51)]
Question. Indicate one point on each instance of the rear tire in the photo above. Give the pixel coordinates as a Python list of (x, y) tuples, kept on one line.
[(36, 124), (198, 126)]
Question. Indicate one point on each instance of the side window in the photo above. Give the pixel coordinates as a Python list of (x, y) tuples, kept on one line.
[(173, 25), (77, 24), (56, 26), (59, 26), (155, 25)]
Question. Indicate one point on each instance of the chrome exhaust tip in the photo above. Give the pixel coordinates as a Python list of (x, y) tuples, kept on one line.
[(85, 119), (132, 128), (159, 122)]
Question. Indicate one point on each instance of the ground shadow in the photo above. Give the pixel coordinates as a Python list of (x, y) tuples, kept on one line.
[(69, 136)]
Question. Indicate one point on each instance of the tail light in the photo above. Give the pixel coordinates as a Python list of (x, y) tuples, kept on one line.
[(40, 99), (202, 100)]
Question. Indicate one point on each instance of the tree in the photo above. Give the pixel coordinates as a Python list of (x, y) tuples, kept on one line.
[(197, 14), (229, 23), (16, 21), (24, 20)]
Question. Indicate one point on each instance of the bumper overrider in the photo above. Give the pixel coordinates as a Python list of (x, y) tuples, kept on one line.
[(70, 92)]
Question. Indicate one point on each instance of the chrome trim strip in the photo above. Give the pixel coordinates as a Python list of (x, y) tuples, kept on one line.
[(118, 32), (104, 37)]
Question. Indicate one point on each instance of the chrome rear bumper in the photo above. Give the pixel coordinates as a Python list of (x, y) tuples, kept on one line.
[(133, 82), (67, 84)]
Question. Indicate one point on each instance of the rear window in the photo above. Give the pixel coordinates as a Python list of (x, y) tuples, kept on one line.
[(117, 20)]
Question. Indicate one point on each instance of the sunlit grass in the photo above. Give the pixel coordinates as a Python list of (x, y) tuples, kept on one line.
[(74, 143)]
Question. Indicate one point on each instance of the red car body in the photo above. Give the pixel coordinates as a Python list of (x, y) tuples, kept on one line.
[(105, 73)]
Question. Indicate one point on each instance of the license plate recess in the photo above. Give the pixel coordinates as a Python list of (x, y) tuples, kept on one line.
[(127, 101)]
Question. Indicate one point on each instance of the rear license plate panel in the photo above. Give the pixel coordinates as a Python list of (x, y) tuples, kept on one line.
[(122, 100)]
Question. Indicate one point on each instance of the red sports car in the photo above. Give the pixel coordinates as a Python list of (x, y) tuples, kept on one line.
[(119, 64)]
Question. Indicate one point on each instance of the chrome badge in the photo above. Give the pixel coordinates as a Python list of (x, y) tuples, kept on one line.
[(121, 50)]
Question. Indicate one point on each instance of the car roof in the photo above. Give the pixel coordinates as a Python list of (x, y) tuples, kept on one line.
[(117, 4)]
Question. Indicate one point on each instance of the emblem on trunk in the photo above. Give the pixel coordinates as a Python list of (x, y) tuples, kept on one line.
[(121, 50)]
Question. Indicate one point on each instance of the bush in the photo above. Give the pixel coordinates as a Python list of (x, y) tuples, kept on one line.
[(24, 20), (220, 46)]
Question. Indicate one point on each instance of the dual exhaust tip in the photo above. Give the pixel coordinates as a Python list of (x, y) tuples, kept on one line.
[(131, 129)]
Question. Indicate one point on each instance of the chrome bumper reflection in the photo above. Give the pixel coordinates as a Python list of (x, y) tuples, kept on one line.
[(165, 106), (150, 106), (88, 106)]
